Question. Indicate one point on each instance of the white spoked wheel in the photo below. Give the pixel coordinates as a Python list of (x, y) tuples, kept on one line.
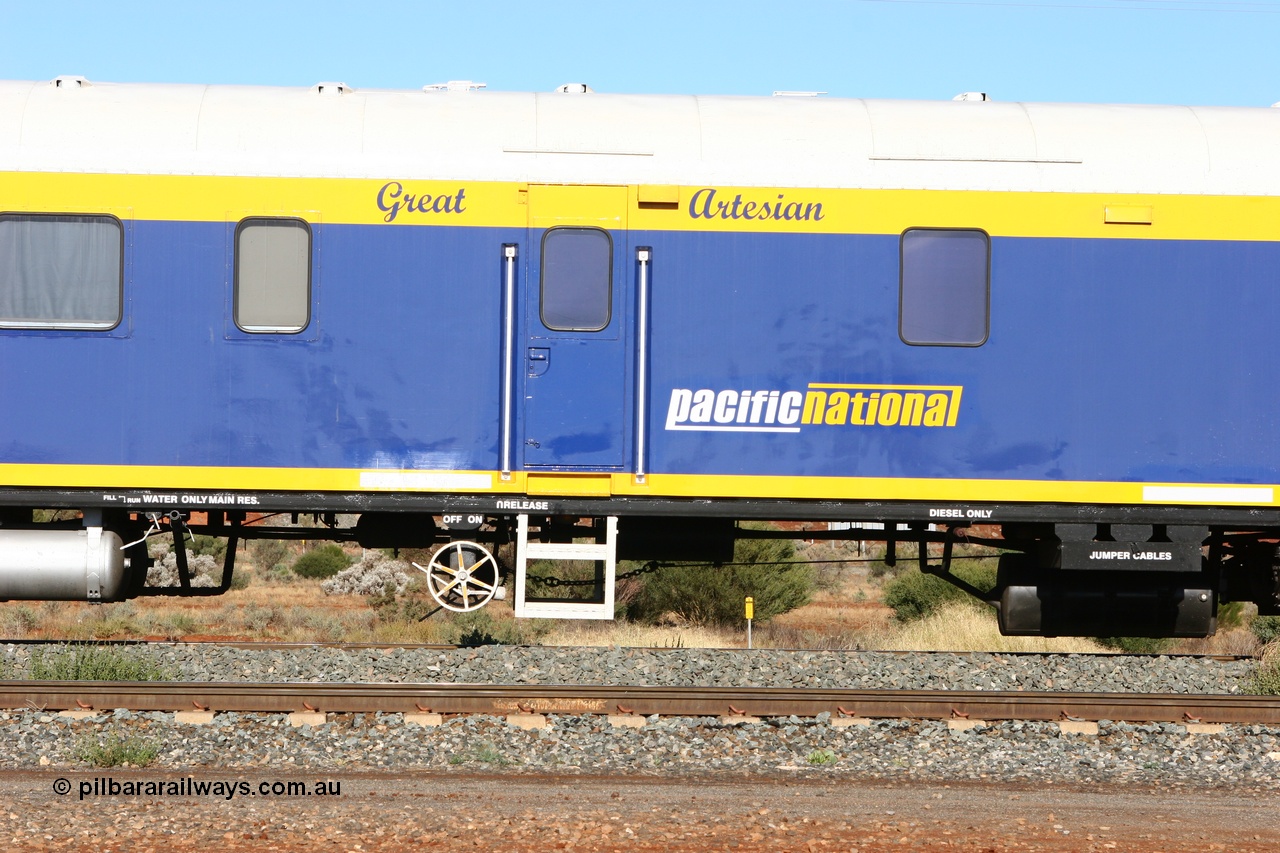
[(462, 576)]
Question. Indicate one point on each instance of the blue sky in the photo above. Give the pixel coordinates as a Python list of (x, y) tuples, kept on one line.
[(1129, 51)]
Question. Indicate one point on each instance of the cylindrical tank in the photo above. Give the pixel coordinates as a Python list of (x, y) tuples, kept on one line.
[(61, 565)]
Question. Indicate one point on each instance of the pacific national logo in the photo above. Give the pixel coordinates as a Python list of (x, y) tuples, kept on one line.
[(823, 404)]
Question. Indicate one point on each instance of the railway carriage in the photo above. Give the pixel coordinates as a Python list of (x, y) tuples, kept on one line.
[(599, 325)]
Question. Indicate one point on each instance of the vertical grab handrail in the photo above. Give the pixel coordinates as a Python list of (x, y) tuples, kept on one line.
[(508, 354), (643, 256)]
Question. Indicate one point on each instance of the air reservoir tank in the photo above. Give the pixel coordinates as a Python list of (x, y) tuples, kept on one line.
[(61, 565)]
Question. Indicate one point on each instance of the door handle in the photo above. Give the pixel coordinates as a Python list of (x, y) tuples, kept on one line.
[(539, 360)]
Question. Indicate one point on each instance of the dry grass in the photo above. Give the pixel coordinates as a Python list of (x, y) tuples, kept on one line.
[(631, 635), (266, 610), (1233, 641), (963, 627)]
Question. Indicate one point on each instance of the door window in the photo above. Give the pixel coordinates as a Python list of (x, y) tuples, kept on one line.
[(577, 279)]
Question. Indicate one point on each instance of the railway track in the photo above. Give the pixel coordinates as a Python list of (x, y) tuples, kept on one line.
[(639, 701)]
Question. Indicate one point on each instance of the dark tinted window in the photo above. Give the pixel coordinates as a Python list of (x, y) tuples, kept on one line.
[(60, 272), (945, 292), (577, 279), (273, 275)]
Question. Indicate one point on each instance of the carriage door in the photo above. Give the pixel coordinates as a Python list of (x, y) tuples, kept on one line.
[(575, 365)]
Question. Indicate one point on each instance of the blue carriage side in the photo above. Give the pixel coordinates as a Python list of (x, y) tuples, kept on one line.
[(657, 342)]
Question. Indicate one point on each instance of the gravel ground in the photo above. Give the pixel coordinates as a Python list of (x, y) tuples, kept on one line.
[(1155, 754), (685, 667), (934, 788), (398, 813)]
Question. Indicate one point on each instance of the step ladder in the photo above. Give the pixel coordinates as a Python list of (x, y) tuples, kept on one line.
[(599, 606)]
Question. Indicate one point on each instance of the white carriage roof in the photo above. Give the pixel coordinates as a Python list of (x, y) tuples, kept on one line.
[(458, 132)]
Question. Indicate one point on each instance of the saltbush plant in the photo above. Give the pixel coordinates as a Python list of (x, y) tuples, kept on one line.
[(202, 569), (204, 561), (376, 575)]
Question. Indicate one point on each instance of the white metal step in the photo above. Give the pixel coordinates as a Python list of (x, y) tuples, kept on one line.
[(606, 552)]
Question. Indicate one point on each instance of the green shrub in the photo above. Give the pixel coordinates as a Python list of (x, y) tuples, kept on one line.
[(180, 623), (822, 756), (914, 595), (473, 637), (764, 569), (1266, 629), (1137, 645), (214, 546), (1231, 615), (479, 628), (1265, 678), (95, 663), (18, 620), (485, 752), (115, 750), (323, 562), (268, 553), (259, 619)]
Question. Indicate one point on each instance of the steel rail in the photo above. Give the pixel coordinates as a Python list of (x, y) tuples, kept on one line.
[(644, 701)]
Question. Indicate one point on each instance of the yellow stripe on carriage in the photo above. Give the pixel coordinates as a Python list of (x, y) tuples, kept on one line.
[(767, 210), (186, 485)]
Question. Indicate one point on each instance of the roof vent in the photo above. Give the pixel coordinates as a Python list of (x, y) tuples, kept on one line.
[(797, 94), (575, 89), (971, 96), (333, 89), (454, 86), (70, 81)]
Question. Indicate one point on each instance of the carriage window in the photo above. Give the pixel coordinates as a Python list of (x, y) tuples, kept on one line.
[(944, 299), (60, 271), (577, 279), (273, 275)]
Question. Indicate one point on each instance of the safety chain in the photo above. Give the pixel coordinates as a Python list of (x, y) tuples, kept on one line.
[(647, 568)]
